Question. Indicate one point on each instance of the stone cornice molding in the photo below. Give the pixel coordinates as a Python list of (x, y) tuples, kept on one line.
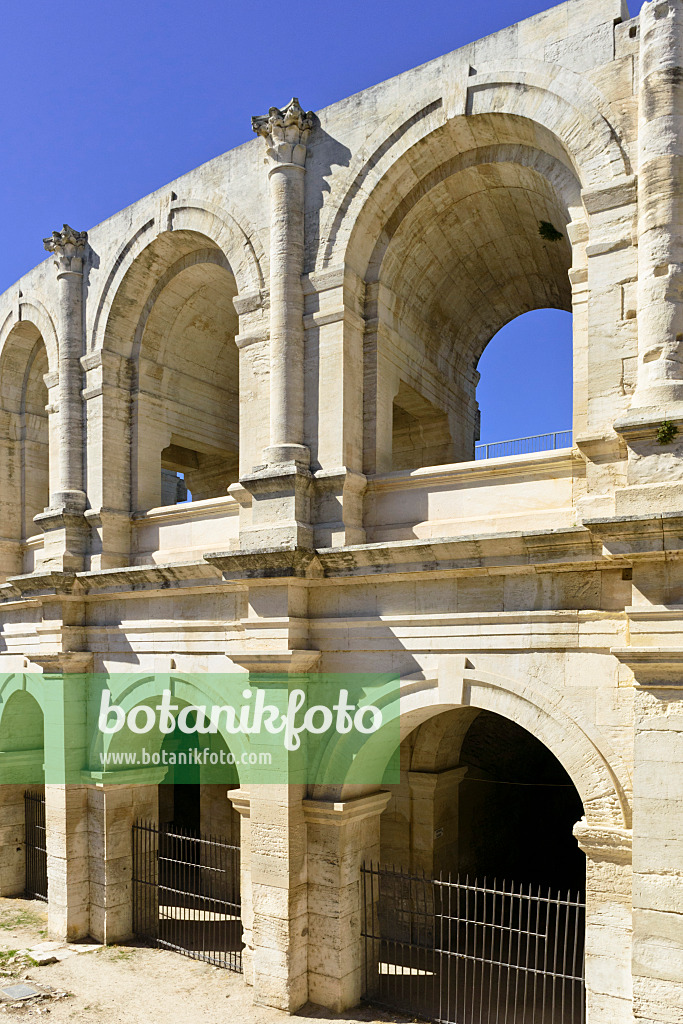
[(285, 133), (68, 247), (654, 668)]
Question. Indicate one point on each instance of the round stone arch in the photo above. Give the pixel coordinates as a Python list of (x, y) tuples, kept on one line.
[(29, 362), (600, 776), (563, 114), (147, 253), (32, 321), (30, 683), (547, 136), (127, 693), (22, 730), (212, 260)]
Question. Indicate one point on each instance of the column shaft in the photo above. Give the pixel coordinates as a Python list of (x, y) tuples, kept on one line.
[(286, 310), (660, 206)]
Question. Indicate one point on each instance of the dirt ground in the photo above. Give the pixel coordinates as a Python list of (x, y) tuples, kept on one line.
[(134, 984)]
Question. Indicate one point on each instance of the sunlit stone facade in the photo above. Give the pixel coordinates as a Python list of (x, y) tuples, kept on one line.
[(295, 327)]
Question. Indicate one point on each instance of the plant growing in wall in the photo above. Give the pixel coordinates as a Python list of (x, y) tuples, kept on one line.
[(666, 432), (549, 232)]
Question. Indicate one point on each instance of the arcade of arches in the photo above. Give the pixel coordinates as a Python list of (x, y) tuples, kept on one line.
[(237, 435)]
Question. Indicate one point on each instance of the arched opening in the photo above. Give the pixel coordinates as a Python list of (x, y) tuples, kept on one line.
[(186, 399), (491, 780), (476, 909), (475, 231), (23, 852), (192, 796), (482, 247), (35, 437), (25, 463), (525, 388)]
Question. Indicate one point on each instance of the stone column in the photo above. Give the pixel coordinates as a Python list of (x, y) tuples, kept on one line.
[(12, 838), (63, 522), (280, 489), (68, 247), (659, 392), (340, 836), (608, 922), (285, 133)]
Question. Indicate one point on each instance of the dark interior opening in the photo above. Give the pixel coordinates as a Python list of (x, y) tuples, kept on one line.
[(518, 806)]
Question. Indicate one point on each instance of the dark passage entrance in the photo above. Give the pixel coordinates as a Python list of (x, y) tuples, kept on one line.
[(459, 952), (35, 845), (517, 809), (482, 918), (186, 893)]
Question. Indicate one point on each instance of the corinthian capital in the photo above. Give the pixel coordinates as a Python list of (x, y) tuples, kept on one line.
[(67, 245), (285, 132)]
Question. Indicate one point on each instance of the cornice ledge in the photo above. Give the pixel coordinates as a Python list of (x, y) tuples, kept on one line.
[(567, 546), (639, 536), (297, 661), (654, 668), (43, 583), (134, 577), (266, 563)]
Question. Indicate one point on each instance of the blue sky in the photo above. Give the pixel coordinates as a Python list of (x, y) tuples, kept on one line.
[(106, 101)]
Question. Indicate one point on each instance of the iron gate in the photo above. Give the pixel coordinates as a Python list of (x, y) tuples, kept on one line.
[(458, 952), (186, 893), (35, 847)]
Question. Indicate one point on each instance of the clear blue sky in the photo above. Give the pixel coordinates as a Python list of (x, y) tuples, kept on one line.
[(103, 102)]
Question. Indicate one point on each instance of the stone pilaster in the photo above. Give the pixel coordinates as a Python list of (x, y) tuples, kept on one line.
[(66, 804), (608, 922), (340, 836), (657, 663), (114, 804), (65, 529), (434, 803), (276, 897), (241, 802), (280, 489)]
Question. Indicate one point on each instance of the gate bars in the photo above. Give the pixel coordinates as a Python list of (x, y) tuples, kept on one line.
[(186, 893), (460, 952), (35, 847)]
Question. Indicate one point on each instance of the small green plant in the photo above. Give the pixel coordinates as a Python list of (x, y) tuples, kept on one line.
[(549, 232), (666, 432)]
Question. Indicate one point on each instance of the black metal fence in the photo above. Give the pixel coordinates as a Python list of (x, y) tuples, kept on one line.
[(186, 893), (35, 846), (460, 952)]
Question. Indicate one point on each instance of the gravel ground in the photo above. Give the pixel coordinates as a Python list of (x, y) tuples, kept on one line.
[(134, 984)]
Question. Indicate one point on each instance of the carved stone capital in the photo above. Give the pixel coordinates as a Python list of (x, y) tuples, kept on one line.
[(68, 247), (285, 132)]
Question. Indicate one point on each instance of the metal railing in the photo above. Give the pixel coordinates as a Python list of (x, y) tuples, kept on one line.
[(461, 952), (186, 893), (524, 445), (35, 845)]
